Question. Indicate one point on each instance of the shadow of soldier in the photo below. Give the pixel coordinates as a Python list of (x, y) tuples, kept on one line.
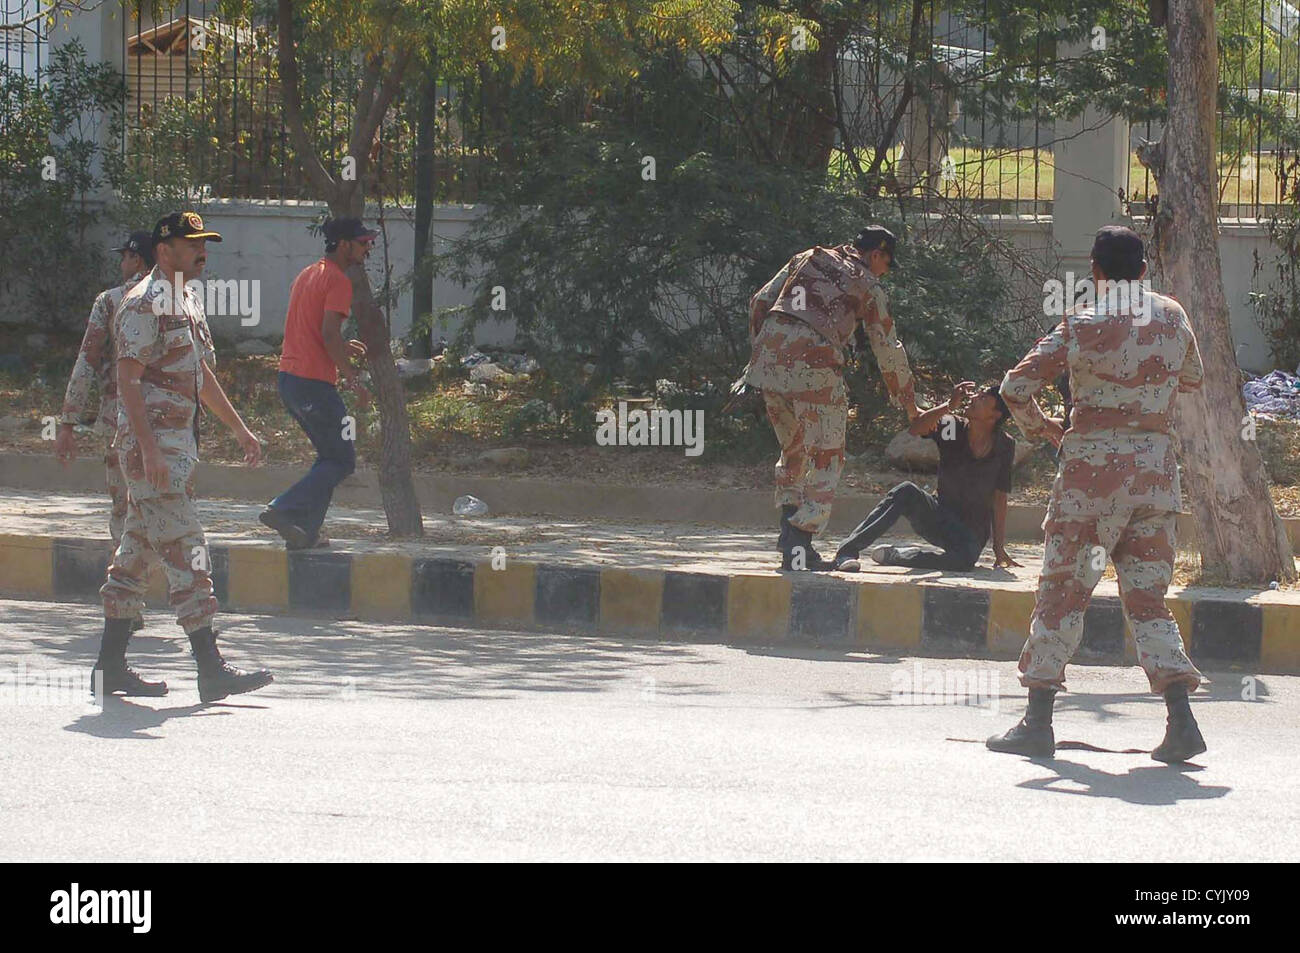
[(1149, 784), (120, 718)]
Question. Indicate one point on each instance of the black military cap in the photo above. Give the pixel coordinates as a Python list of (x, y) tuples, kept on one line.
[(1118, 252), (875, 237), (138, 243), (182, 225), (346, 230)]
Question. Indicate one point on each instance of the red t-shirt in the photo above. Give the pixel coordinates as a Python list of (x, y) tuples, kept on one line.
[(320, 287)]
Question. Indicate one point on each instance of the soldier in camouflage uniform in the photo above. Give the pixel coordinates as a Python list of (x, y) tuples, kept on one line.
[(164, 368), (95, 366), (1116, 492), (800, 323)]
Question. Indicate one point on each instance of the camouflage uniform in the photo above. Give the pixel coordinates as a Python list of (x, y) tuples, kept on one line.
[(1117, 488), (800, 323), (171, 347), (96, 365)]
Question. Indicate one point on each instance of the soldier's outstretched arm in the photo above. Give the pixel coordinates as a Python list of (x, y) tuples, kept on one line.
[(1045, 362), (890, 354), (214, 398), (90, 357), (765, 297)]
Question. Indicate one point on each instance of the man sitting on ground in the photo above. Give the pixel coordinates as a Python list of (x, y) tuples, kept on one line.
[(975, 458)]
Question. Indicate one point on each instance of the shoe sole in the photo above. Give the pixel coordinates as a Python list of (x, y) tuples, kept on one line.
[(207, 696), (157, 691), (1026, 754), (293, 534), (126, 693)]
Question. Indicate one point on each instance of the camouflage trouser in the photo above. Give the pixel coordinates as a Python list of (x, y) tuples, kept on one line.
[(165, 525), (1141, 543), (116, 492), (803, 387)]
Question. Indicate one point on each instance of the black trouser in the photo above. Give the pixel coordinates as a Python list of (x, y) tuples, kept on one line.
[(929, 520)]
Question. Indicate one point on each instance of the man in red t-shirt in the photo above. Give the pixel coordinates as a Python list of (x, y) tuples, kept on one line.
[(312, 359)]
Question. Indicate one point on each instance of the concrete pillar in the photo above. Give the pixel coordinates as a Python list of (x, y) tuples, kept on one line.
[(1090, 168), (99, 32)]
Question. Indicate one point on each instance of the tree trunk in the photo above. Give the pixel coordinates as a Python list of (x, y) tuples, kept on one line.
[(347, 198), (396, 487), (1239, 532), (425, 131)]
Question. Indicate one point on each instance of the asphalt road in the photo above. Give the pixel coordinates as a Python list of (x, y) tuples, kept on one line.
[(423, 743)]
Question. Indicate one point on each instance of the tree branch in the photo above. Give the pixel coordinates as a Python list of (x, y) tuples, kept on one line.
[(287, 58)]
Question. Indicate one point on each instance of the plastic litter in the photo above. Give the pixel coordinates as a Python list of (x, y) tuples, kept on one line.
[(469, 506), (1276, 394), (488, 372)]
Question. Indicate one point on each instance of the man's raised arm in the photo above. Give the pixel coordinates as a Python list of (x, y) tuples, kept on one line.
[(1045, 362)]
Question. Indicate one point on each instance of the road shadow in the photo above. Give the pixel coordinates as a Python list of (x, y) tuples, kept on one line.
[(121, 718), (1154, 785), (323, 658), (819, 653)]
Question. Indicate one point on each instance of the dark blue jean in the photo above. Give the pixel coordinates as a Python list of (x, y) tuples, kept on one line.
[(929, 520), (319, 410)]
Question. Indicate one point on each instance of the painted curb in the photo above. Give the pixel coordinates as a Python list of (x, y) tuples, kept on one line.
[(1229, 628)]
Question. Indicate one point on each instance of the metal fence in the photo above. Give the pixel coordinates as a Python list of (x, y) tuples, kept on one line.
[(24, 38), (202, 99), (201, 104), (1259, 111)]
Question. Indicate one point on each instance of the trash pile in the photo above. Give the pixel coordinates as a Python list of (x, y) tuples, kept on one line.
[(503, 368), (1275, 395)]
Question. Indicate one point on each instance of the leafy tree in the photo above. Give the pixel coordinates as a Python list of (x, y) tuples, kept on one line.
[(650, 278), (48, 179), (385, 38), (1240, 533)]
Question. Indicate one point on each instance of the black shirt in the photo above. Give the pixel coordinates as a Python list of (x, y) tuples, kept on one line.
[(967, 482)]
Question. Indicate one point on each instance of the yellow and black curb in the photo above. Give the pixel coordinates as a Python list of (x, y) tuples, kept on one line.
[(1237, 629)]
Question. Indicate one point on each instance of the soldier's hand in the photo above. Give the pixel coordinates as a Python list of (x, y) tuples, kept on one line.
[(65, 444), (156, 472), (356, 349), (251, 446), (1055, 433)]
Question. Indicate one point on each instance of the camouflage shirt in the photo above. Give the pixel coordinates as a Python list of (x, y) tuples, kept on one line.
[(1125, 374), (833, 291), (95, 364), (172, 347)]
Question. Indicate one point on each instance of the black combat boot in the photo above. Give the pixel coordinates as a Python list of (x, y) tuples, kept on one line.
[(217, 677), (1182, 735), (801, 539), (1032, 736), (111, 664), (787, 511)]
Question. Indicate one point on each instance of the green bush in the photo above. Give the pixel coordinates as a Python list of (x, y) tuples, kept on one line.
[(651, 279), (51, 268)]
